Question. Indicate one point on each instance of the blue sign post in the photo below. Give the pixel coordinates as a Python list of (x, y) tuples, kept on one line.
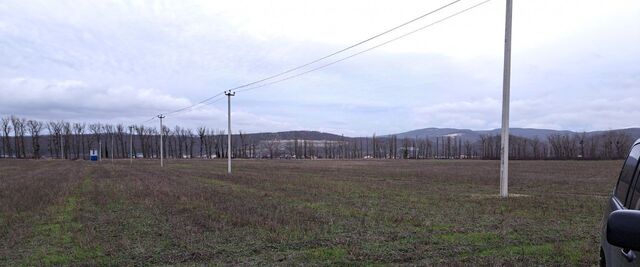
[(93, 155)]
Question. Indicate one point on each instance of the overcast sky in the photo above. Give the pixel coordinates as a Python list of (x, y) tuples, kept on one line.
[(575, 64)]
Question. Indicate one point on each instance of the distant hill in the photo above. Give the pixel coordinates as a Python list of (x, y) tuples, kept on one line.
[(290, 135), (633, 132), (432, 132), (282, 144), (472, 135), (527, 132), (522, 132)]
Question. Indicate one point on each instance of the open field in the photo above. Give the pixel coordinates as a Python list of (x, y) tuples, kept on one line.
[(291, 212)]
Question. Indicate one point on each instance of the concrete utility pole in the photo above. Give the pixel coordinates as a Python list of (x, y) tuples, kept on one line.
[(130, 145), (161, 153), (229, 94), (506, 83)]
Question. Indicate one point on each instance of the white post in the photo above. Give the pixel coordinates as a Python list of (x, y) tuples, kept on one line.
[(506, 82), (161, 153), (229, 94)]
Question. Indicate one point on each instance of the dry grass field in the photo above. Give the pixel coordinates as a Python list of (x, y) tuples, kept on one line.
[(291, 212)]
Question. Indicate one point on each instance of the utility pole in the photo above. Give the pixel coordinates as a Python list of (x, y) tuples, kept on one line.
[(506, 83), (161, 153), (130, 145), (229, 94), (100, 150)]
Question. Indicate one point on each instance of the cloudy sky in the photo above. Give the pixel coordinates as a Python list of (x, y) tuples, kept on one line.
[(575, 63)]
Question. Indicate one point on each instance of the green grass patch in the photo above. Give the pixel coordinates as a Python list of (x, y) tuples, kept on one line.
[(416, 213), (474, 238), (232, 186), (570, 252), (438, 227), (520, 250), (326, 255), (3, 225), (57, 236), (55, 239)]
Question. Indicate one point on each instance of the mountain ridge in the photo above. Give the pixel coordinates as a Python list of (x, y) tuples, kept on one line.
[(530, 133), (521, 132)]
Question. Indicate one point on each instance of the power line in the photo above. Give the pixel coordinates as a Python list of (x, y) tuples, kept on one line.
[(214, 101), (152, 118), (240, 89), (203, 102), (209, 102), (347, 48), (316, 60), (364, 51), (194, 105)]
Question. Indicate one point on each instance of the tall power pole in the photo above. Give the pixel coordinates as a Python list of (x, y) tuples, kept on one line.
[(130, 145), (229, 94), (506, 84), (161, 153)]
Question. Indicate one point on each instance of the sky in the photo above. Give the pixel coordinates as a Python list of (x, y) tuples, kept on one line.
[(574, 64)]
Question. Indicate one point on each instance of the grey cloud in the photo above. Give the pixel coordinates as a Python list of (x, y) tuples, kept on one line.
[(120, 62)]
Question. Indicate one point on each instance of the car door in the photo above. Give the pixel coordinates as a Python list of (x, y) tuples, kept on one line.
[(624, 197)]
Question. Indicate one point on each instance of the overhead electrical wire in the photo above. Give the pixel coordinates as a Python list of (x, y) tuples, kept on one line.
[(363, 51), (203, 102), (310, 62), (194, 105), (346, 48), (152, 118)]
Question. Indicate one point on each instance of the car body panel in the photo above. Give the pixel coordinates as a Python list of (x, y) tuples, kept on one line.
[(614, 255)]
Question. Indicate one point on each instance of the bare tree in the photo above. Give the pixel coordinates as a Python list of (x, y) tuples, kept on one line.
[(141, 131), (96, 130), (593, 143), (202, 133), (35, 127), (78, 137), (68, 137), (535, 148), (212, 143), (622, 144), (6, 144), (153, 143), (191, 141), (120, 139), (271, 145), (108, 140), (18, 136), (555, 143), (180, 141), (55, 137)]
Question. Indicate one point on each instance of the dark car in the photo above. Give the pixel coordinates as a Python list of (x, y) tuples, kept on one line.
[(620, 242)]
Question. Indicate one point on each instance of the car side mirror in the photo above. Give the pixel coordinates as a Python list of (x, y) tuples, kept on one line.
[(623, 229)]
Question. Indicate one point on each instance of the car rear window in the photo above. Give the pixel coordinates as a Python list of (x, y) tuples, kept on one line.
[(628, 170)]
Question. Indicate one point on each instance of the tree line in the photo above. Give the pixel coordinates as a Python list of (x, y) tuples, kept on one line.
[(22, 138)]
